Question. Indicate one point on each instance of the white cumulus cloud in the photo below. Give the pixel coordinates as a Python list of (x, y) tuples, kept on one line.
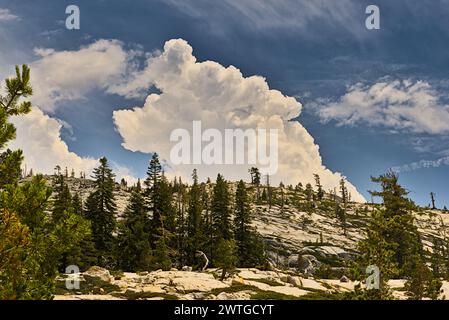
[(221, 98), (398, 105), (59, 76), (38, 135)]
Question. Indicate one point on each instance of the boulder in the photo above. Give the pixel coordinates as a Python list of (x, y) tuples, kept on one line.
[(186, 268), (98, 273), (199, 295), (236, 280), (305, 263), (241, 295), (295, 281), (328, 252), (292, 261), (344, 279)]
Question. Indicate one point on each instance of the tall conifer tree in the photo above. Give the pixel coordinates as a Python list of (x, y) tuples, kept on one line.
[(134, 248), (101, 210), (195, 230), (249, 247)]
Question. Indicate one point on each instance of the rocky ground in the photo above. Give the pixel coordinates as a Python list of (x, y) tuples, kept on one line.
[(98, 284)]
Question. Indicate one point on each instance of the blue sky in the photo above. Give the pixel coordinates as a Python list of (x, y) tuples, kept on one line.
[(314, 52)]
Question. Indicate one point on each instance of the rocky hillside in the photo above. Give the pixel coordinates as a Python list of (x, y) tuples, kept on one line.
[(320, 237), (309, 250)]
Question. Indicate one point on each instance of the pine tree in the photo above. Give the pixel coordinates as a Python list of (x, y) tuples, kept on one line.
[(84, 255), (30, 244), (66, 208), (225, 256), (181, 235), (341, 211), (255, 180), (207, 219), (401, 229), (63, 198), (166, 234), (341, 216), (25, 206), (161, 258), (222, 238), (16, 89), (152, 193), (264, 195), (133, 244), (100, 210), (282, 197), (432, 198), (16, 271), (159, 202), (421, 282), (309, 197), (393, 243), (320, 191), (77, 204), (343, 192), (376, 251), (242, 223), (221, 216), (195, 231), (10, 105), (50, 240), (309, 192), (249, 249), (10, 162)]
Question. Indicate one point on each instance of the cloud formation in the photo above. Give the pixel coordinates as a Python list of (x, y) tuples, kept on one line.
[(59, 76), (397, 105), (38, 135), (301, 16), (6, 15), (222, 98), (422, 164)]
